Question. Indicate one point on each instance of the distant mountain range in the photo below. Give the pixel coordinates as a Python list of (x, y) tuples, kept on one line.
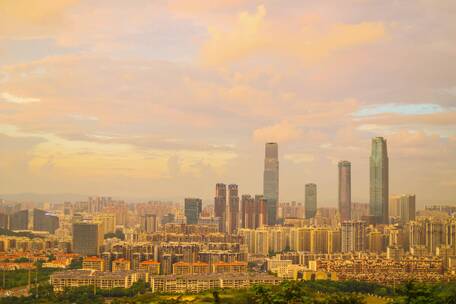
[(72, 197), (43, 197)]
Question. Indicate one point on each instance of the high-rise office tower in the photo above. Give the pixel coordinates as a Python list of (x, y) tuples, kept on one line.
[(4, 221), (345, 190), (44, 221), (19, 220), (232, 223), (220, 205), (247, 212), (271, 181), (378, 204), (87, 238), (149, 223), (353, 236), (193, 208), (261, 212), (311, 200)]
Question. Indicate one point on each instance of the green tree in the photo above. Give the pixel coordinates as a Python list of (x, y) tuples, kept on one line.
[(138, 287), (216, 296), (414, 293), (345, 299), (76, 264)]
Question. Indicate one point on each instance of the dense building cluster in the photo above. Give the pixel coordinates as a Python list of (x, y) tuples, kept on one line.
[(237, 240)]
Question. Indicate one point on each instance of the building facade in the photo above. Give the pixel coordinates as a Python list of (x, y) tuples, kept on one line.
[(193, 208), (310, 200), (271, 181), (220, 205), (233, 209), (345, 190), (353, 236), (87, 238), (378, 204)]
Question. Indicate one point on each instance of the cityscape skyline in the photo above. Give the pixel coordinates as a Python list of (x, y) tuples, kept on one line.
[(179, 96), (228, 151), (378, 202)]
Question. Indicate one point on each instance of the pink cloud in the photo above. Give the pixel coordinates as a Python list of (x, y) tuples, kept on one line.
[(281, 132)]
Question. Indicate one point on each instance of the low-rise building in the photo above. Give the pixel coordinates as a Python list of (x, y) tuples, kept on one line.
[(103, 280), (120, 265), (151, 267), (231, 267), (62, 264), (199, 283), (180, 268), (93, 263)]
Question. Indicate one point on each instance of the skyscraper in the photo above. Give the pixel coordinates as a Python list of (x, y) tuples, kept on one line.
[(271, 181), (378, 204), (87, 238), (149, 223), (44, 221), (253, 213), (345, 190), (247, 212), (220, 205), (402, 207), (408, 208), (233, 209), (353, 236), (193, 208), (311, 200), (19, 220)]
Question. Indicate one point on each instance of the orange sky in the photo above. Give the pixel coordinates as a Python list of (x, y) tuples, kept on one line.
[(163, 99)]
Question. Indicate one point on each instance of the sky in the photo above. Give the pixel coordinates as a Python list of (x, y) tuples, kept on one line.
[(163, 99)]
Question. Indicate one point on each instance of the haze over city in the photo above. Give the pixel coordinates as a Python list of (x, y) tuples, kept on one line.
[(163, 99)]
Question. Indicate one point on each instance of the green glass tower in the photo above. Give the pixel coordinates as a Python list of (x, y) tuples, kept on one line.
[(378, 203)]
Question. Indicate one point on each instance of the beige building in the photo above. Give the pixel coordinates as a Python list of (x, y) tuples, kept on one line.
[(93, 263), (103, 280), (151, 267), (199, 283), (181, 268), (402, 207), (120, 265), (232, 267)]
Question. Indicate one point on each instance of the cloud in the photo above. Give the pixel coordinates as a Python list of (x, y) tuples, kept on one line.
[(81, 117), (255, 34), (403, 109), (130, 102), (438, 118), (191, 7), (300, 158), (281, 132), (10, 98), (31, 18), (243, 39)]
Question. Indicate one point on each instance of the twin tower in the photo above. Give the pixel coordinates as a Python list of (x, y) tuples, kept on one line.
[(378, 185)]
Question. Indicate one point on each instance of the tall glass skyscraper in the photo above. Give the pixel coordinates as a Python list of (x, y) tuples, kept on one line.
[(220, 205), (311, 200), (193, 208), (345, 190), (271, 181), (232, 213), (378, 204)]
